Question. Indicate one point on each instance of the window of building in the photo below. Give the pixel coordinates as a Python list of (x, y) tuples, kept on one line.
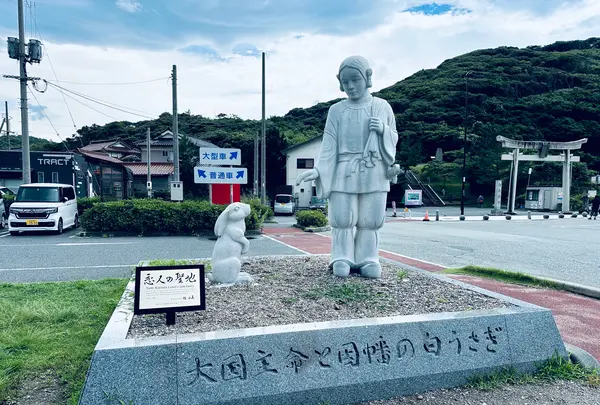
[(305, 163), (165, 153), (533, 195), (54, 177), (40, 177)]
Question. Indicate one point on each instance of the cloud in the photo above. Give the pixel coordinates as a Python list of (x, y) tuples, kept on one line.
[(37, 112), (131, 6), (216, 77)]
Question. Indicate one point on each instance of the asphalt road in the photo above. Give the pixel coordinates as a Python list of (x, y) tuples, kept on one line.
[(44, 257), (566, 249)]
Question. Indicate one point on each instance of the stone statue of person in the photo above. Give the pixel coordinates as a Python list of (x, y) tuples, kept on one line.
[(354, 169)]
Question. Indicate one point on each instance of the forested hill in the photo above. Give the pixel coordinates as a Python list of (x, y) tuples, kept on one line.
[(536, 93), (539, 92)]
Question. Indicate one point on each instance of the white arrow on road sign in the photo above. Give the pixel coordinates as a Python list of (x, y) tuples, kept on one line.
[(220, 175), (220, 156)]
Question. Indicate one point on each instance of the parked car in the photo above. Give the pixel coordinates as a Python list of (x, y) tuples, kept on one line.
[(317, 203), (284, 204), (3, 214), (43, 207)]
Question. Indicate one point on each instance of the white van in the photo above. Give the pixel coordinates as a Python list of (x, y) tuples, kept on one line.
[(284, 204), (43, 207)]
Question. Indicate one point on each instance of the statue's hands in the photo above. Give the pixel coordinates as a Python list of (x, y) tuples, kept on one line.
[(308, 175), (376, 125)]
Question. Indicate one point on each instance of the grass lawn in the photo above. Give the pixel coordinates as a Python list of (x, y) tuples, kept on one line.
[(51, 329), (504, 275)]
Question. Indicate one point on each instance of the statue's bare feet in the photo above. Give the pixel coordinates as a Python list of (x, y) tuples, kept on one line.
[(371, 270), (341, 269)]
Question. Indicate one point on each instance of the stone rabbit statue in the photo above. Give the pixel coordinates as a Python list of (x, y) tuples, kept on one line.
[(231, 244)]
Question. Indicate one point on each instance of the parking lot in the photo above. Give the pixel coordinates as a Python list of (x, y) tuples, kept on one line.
[(47, 257)]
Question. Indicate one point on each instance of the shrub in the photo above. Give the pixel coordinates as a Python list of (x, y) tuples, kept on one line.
[(143, 216), (263, 211), (313, 218), (85, 203)]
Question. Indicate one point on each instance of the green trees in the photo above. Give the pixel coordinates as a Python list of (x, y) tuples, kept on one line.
[(536, 93)]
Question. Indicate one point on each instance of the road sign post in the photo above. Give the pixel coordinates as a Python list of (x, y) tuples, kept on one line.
[(220, 175), (214, 173)]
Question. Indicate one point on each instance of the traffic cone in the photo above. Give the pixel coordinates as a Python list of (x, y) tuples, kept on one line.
[(426, 216)]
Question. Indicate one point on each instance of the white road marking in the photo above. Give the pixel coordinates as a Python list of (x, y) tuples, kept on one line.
[(285, 244), (94, 243), (71, 267), (413, 258)]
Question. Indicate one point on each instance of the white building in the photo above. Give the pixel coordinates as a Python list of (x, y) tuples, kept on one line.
[(300, 158)]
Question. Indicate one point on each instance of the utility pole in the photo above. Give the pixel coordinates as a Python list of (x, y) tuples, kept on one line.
[(24, 112), (149, 177), (264, 140), (256, 145), (464, 176), (7, 124), (175, 125)]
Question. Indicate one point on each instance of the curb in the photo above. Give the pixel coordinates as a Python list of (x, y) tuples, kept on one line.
[(311, 229), (574, 287), (581, 357), (206, 234)]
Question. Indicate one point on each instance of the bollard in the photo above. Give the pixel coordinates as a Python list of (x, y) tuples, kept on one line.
[(437, 215), (528, 214)]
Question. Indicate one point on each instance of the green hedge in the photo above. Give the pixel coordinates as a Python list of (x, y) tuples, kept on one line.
[(85, 203), (144, 216), (312, 218)]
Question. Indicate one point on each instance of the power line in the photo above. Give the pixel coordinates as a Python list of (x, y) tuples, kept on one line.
[(117, 84), (103, 103), (48, 118), (91, 108)]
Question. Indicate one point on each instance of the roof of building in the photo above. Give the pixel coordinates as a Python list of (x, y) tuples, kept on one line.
[(156, 169), (166, 139), (100, 156), (131, 158), (302, 143), (111, 145)]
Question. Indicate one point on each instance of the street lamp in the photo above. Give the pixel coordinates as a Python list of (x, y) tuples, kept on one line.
[(462, 197)]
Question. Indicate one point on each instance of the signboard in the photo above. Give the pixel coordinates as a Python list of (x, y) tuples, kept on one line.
[(221, 175), (160, 289), (560, 196), (498, 195), (413, 197), (220, 156)]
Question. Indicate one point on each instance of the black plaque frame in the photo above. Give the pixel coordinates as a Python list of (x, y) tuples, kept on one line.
[(169, 310)]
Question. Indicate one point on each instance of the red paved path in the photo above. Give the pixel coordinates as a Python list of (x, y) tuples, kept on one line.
[(577, 317)]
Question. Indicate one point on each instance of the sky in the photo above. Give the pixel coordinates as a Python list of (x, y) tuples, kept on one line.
[(114, 57)]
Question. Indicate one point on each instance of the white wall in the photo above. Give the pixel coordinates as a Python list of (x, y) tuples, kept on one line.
[(156, 154), (309, 150)]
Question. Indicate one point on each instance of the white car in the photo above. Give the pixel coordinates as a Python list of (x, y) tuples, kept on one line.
[(43, 207), (284, 204)]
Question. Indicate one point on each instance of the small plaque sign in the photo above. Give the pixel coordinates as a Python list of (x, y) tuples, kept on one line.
[(164, 289)]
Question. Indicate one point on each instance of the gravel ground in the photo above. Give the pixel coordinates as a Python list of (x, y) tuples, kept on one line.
[(301, 289), (556, 393)]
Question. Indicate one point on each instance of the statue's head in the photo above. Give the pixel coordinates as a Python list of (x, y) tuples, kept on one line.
[(354, 76)]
